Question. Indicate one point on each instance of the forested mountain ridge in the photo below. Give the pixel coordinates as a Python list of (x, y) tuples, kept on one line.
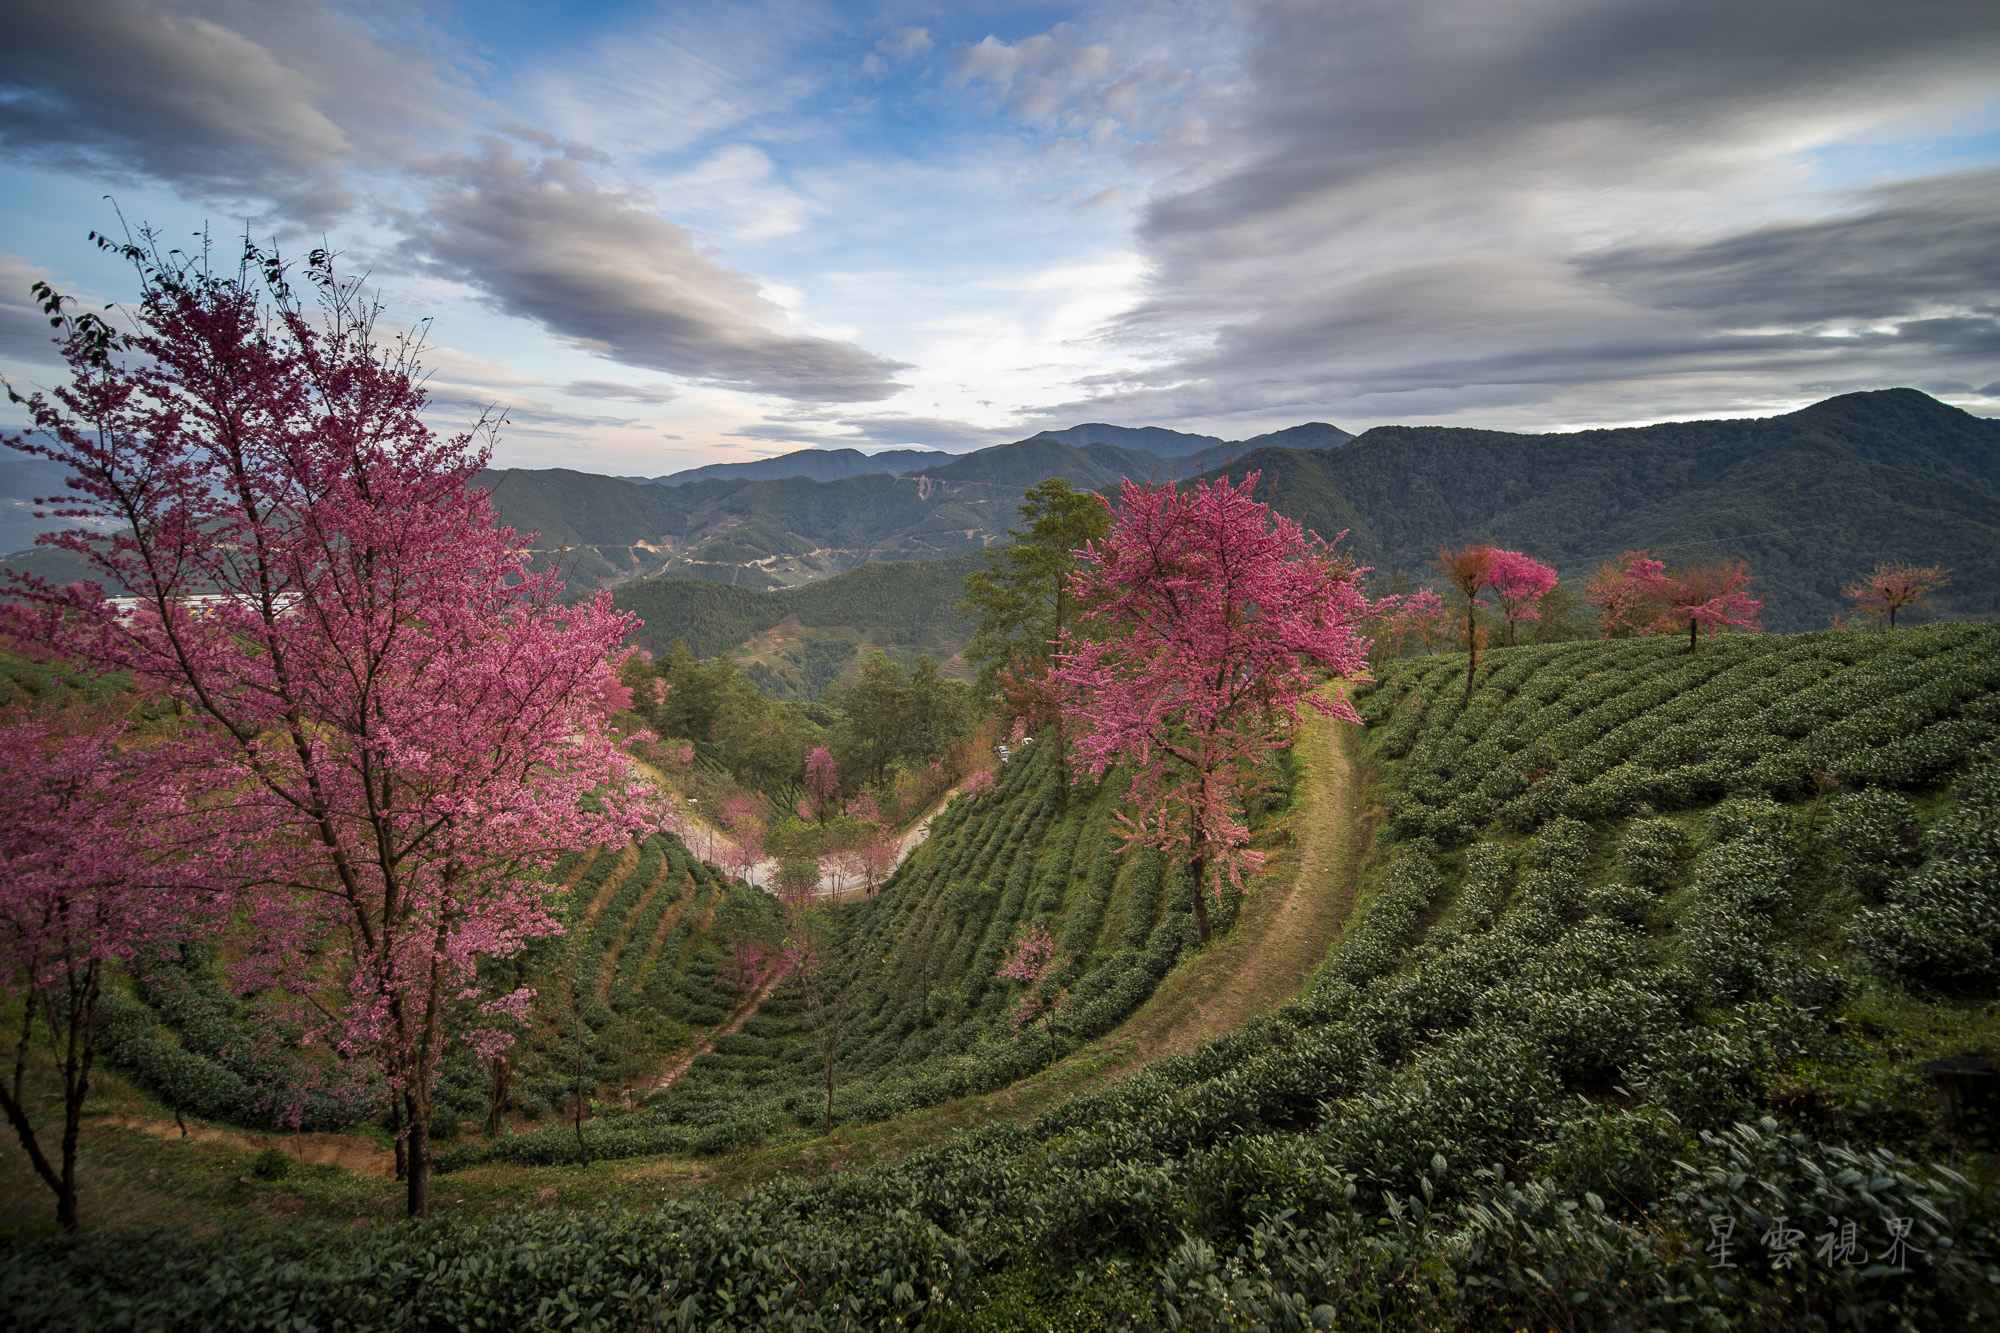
[(759, 534), (1811, 498), (796, 641), (781, 531), (819, 464), (784, 521)]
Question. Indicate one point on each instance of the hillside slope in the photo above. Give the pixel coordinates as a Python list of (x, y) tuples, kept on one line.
[(932, 1019), (758, 534), (784, 521), (1639, 1025), (636, 965), (805, 635), (1811, 499)]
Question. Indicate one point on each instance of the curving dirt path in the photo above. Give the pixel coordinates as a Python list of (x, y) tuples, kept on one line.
[(706, 1042), (1293, 916)]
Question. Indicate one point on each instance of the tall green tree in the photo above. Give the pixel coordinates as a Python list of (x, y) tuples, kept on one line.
[(892, 717), (1024, 604), (871, 723)]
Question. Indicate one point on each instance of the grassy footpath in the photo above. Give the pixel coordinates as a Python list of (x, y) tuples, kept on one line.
[(136, 1171)]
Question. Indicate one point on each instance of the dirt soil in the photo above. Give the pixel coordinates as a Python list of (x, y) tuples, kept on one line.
[(349, 1150)]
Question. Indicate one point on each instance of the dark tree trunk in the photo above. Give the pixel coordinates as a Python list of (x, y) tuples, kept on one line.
[(503, 1076), (1201, 926), (1471, 647), (75, 1048), (419, 1161)]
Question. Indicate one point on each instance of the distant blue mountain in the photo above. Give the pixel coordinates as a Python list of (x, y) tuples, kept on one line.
[(1152, 439), (818, 464), (1141, 452)]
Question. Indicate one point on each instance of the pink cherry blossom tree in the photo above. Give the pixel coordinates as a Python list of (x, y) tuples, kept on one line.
[(822, 783), (1519, 584), (1034, 949), (1698, 597), (1470, 569), (1208, 610), (1034, 946), (1894, 587), (101, 858), (743, 820), (1621, 592), (1403, 616), (407, 720), (874, 848)]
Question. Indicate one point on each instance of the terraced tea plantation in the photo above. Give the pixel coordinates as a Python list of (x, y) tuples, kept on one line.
[(643, 960), (640, 964), (930, 1019), (1633, 1028)]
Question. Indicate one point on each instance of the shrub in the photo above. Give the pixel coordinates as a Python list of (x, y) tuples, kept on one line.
[(1653, 853)]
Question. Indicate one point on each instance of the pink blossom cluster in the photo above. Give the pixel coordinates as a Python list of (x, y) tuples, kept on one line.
[(1207, 614), (1034, 947), (1636, 586)]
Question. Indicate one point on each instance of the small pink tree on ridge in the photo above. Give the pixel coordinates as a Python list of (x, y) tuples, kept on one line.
[(1700, 597), (1209, 610), (1519, 583), (1893, 588), (1619, 590)]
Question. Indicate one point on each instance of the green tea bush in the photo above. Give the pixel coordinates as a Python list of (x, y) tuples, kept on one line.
[(1939, 929), (1538, 1113), (1653, 853), (1874, 832)]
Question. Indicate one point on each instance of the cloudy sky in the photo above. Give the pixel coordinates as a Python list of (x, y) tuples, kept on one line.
[(660, 234)]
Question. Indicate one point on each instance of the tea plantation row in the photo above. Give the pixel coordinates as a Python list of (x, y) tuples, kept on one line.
[(930, 1019), (639, 963), (1651, 1068)]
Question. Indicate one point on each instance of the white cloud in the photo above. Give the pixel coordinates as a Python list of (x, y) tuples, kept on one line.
[(595, 264)]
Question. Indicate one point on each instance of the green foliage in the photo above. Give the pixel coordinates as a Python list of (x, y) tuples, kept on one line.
[(271, 1164), (929, 1018), (1940, 928), (1875, 832), (1653, 852), (904, 602), (627, 988), (892, 719), (1499, 1106), (761, 742), (1020, 598), (1594, 731)]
